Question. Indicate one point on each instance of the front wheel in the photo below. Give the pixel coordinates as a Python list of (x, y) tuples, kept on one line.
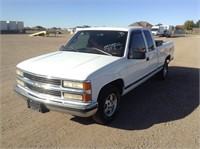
[(108, 105)]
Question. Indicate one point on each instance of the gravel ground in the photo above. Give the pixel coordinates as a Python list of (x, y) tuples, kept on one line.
[(157, 114)]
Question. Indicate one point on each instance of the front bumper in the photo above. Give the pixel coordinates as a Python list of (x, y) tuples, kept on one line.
[(74, 108)]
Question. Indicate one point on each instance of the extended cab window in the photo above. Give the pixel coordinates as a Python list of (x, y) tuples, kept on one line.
[(149, 41), (98, 42), (137, 42)]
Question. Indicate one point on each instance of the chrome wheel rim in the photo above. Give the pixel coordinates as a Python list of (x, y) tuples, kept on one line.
[(110, 105)]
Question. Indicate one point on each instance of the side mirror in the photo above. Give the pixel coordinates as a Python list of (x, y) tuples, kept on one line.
[(61, 48), (136, 55)]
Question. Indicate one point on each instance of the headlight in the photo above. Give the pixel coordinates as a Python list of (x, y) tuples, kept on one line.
[(83, 97), (72, 96), (20, 73), (20, 82), (77, 85), (86, 86)]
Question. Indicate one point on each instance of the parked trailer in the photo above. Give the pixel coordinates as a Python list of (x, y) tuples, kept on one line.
[(42, 33), (157, 30), (162, 30)]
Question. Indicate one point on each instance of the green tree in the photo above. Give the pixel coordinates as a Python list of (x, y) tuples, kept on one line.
[(197, 24), (188, 25)]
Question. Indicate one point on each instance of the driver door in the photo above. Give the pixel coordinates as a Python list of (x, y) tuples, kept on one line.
[(137, 69)]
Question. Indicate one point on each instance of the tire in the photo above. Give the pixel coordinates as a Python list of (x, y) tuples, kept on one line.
[(163, 73), (108, 105)]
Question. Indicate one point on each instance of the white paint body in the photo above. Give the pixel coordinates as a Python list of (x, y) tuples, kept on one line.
[(100, 70)]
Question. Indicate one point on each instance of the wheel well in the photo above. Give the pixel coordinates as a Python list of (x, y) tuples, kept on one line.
[(168, 58), (119, 83)]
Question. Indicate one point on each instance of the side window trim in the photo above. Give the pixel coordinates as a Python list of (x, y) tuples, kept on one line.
[(144, 39)]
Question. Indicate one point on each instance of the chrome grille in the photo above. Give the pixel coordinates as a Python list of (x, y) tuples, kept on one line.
[(44, 91), (42, 80)]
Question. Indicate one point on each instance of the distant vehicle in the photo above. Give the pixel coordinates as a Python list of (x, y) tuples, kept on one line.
[(92, 71), (168, 30), (162, 30), (157, 30)]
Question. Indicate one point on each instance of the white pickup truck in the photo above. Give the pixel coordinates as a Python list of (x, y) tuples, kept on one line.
[(92, 71)]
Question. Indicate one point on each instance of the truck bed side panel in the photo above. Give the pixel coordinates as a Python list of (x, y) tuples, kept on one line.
[(167, 49)]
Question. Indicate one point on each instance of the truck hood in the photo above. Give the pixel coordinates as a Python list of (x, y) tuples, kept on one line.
[(66, 65)]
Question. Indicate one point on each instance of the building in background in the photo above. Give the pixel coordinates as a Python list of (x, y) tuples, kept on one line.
[(3, 26), (11, 27), (142, 24)]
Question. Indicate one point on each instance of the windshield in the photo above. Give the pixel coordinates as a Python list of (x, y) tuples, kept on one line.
[(98, 42)]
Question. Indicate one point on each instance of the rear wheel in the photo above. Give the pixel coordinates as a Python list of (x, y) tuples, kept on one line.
[(163, 73), (108, 105)]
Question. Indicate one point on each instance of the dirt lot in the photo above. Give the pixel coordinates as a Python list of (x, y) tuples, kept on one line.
[(155, 115)]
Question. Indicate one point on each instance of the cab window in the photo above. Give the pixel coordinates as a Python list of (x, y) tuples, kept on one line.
[(137, 41), (150, 43)]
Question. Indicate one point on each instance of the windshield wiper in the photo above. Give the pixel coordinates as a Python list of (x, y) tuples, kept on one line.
[(102, 51), (72, 48)]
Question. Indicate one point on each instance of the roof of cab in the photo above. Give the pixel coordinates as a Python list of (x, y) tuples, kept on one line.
[(111, 28)]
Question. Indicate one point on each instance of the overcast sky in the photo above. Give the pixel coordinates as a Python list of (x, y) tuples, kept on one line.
[(71, 13)]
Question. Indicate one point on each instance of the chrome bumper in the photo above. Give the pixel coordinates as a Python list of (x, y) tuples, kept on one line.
[(74, 108)]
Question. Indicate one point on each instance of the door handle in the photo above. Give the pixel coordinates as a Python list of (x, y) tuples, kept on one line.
[(147, 58)]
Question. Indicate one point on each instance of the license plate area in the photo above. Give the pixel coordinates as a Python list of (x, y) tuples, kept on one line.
[(40, 107)]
